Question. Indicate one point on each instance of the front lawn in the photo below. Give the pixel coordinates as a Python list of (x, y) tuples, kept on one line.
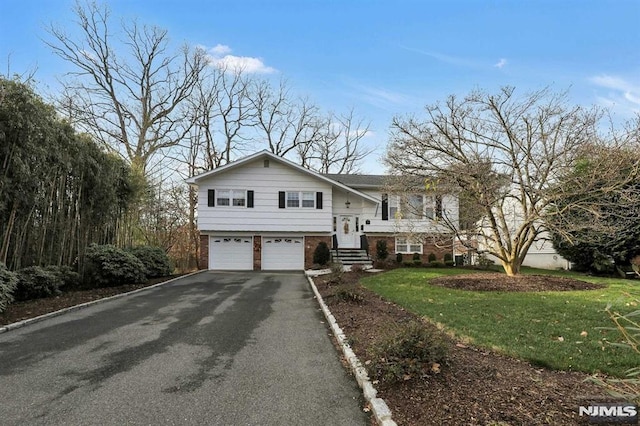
[(559, 329)]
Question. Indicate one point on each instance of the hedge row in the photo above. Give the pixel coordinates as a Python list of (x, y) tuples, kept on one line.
[(106, 266)]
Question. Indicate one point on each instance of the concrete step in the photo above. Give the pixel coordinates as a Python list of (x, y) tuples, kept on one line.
[(351, 257)]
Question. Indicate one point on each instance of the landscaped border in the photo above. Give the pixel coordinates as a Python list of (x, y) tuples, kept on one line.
[(379, 407)]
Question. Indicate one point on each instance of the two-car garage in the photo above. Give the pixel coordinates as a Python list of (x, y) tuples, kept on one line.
[(237, 253)]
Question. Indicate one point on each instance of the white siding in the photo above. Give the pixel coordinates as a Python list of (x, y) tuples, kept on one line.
[(373, 213), (265, 216)]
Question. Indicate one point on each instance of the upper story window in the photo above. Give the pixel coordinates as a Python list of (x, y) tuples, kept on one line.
[(412, 206), (306, 199), (230, 198)]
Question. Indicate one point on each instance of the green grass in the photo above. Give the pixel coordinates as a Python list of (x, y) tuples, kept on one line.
[(541, 327)]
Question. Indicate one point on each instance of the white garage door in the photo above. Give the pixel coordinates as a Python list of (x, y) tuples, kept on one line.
[(231, 253), (282, 253)]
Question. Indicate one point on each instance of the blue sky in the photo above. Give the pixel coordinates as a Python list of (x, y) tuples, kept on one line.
[(381, 58)]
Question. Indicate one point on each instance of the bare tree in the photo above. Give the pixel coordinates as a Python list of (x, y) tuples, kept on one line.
[(127, 93), (288, 125), (504, 155), (338, 146)]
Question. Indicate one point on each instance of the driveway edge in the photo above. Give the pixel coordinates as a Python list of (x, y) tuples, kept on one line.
[(20, 324), (380, 409)]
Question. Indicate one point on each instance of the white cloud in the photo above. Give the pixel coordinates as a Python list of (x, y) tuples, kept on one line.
[(501, 63), (220, 56), (220, 49), (622, 95)]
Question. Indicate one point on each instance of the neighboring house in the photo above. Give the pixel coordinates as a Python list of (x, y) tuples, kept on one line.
[(541, 254), (264, 212)]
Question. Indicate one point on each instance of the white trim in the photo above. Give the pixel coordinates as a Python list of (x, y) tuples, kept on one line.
[(409, 243), (264, 153)]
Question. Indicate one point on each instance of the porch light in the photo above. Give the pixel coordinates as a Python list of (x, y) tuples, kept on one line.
[(347, 203)]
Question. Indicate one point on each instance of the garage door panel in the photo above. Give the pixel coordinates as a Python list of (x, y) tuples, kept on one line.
[(283, 253), (231, 253)]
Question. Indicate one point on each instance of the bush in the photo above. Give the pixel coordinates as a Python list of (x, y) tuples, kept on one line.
[(357, 267), (449, 263), (36, 282), (322, 254), (108, 266), (448, 257), (68, 278), (484, 262), (399, 258), (349, 294), (415, 351), (432, 257), (382, 252), (154, 259), (335, 277), (437, 264), (8, 283)]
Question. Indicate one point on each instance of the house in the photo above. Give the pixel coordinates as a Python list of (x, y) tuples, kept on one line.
[(264, 212), (541, 253)]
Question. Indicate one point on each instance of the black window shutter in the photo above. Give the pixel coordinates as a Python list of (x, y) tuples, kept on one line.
[(281, 199), (250, 199), (319, 200), (385, 207), (438, 212), (211, 199)]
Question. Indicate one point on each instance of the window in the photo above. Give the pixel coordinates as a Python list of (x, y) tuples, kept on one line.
[(308, 199), (223, 198), (393, 206), (231, 197), (413, 208), (429, 209), (408, 245), (293, 199), (239, 198), (305, 199)]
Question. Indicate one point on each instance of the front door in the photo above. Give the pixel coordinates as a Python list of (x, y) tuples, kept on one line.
[(348, 235)]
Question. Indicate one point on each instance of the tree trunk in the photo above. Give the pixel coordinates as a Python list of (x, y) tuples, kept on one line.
[(511, 267)]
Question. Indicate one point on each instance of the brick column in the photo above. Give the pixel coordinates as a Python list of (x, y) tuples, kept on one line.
[(257, 252), (204, 252)]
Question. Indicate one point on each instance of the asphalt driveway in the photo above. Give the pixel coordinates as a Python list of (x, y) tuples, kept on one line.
[(212, 348)]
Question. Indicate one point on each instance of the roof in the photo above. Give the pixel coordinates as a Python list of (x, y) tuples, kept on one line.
[(359, 181), (264, 153)]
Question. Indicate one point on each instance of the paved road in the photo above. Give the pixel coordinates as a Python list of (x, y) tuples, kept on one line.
[(213, 348)]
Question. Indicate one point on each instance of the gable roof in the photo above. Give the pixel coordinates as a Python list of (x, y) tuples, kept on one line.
[(264, 153), (359, 181)]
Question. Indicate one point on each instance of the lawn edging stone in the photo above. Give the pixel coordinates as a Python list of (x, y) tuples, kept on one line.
[(378, 406), (23, 323)]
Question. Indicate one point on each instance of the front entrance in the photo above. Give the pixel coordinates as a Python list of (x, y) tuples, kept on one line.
[(347, 231)]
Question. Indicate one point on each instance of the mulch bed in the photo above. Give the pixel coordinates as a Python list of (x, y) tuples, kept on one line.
[(478, 386), (501, 282)]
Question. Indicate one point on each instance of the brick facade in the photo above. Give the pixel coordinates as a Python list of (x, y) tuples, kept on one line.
[(310, 244), (257, 253), (439, 248), (204, 252)]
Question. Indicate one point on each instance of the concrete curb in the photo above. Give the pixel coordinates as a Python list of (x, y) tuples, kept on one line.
[(380, 409), (19, 324)]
